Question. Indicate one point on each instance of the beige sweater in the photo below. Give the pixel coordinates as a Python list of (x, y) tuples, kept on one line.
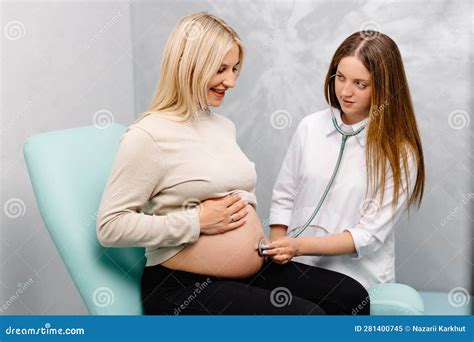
[(161, 169)]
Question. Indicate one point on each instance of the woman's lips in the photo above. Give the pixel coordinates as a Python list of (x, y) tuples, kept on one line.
[(217, 94), (347, 103)]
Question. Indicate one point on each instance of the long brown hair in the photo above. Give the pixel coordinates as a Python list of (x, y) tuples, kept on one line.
[(392, 129)]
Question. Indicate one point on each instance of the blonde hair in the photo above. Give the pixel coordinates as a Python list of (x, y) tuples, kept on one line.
[(192, 56)]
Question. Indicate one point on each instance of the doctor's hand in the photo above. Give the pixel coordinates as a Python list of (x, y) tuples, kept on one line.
[(282, 250)]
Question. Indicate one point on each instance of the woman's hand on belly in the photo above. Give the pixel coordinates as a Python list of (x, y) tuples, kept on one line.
[(217, 216), (232, 254)]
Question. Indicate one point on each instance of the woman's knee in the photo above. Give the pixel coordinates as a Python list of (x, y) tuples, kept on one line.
[(356, 297)]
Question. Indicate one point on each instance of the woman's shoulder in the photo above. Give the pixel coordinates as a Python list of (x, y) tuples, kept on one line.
[(158, 125), (317, 117), (314, 121)]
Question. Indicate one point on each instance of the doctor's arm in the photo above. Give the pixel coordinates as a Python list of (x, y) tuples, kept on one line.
[(277, 231), (366, 237), (335, 244), (285, 248)]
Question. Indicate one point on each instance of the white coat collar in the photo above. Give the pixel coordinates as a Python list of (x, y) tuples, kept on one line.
[(361, 137)]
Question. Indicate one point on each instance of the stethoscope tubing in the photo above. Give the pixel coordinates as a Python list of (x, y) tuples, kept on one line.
[(345, 135)]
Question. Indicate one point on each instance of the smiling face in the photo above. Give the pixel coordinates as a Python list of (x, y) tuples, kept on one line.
[(224, 78), (353, 89)]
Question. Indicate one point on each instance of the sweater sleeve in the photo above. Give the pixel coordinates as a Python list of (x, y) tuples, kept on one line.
[(135, 176)]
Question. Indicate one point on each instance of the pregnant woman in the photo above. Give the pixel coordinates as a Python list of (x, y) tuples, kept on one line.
[(181, 186)]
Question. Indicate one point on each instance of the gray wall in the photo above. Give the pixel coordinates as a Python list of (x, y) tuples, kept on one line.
[(61, 64), (76, 59)]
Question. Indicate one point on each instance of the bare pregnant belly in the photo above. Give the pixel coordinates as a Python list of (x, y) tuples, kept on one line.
[(230, 255)]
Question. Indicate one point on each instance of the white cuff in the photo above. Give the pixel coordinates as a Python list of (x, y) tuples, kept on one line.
[(363, 241), (280, 216)]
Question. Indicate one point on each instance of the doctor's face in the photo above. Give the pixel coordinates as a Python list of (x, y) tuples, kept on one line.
[(353, 88), (225, 77)]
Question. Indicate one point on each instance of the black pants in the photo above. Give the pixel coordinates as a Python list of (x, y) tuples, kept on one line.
[(291, 289), (334, 292)]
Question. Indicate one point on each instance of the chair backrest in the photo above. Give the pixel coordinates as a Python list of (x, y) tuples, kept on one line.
[(69, 170)]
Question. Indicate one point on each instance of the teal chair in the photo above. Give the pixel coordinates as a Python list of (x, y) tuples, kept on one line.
[(395, 299), (69, 170)]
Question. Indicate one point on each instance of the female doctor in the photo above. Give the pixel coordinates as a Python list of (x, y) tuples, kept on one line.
[(381, 172)]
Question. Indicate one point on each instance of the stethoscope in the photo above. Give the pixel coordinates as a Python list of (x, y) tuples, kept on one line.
[(345, 135)]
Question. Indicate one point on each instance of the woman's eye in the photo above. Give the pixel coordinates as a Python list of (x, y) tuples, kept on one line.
[(235, 69), (340, 77), (220, 71), (361, 85)]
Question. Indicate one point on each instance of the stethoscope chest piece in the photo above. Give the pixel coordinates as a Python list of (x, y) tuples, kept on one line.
[(260, 248)]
